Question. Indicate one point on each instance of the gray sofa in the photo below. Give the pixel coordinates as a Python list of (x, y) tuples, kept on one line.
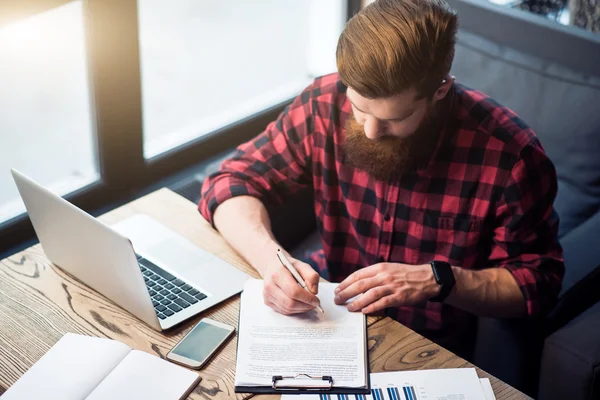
[(550, 75)]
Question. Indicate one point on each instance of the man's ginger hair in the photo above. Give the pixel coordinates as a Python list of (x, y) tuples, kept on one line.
[(394, 45)]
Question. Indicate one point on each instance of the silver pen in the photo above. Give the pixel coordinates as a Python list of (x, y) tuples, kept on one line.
[(286, 263)]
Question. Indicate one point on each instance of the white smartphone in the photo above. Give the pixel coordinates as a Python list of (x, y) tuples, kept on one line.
[(197, 347)]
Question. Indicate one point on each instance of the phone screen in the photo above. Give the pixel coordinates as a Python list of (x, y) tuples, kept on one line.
[(201, 341)]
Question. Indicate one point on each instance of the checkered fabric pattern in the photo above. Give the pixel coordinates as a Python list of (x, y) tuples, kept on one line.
[(483, 201)]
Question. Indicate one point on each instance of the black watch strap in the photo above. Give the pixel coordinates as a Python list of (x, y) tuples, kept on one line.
[(442, 271)]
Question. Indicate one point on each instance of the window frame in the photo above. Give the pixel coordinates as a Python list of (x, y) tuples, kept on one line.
[(113, 59)]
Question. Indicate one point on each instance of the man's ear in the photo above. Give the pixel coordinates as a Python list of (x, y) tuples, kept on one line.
[(442, 91)]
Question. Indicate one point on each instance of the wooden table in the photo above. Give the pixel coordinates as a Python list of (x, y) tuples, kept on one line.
[(39, 303)]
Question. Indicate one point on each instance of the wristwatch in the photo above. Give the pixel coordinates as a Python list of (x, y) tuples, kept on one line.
[(442, 271)]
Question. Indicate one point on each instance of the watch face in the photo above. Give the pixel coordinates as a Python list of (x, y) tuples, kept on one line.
[(443, 272), (444, 277)]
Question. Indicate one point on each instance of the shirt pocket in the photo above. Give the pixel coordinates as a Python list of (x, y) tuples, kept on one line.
[(445, 237)]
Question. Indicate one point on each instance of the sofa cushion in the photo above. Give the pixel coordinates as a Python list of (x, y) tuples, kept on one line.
[(571, 360), (561, 105), (510, 349), (581, 252), (582, 273)]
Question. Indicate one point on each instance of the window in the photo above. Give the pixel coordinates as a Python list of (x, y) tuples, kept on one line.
[(556, 10), (92, 91), (45, 111), (582, 14), (205, 65)]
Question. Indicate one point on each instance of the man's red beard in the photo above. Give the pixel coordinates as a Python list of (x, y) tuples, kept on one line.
[(390, 157)]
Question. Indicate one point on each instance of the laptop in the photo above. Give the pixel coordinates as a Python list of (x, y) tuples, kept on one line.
[(164, 281)]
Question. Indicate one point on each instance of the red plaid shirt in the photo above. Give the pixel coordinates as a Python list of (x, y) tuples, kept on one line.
[(484, 200)]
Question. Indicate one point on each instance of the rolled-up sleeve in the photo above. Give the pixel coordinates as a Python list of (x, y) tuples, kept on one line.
[(269, 167), (526, 236)]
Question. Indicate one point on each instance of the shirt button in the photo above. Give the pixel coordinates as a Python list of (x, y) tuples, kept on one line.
[(387, 217)]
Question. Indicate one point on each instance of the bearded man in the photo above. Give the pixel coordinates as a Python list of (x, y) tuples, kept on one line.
[(434, 203)]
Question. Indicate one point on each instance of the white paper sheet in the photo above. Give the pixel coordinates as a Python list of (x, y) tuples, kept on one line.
[(486, 385), (70, 370), (144, 376), (437, 384), (314, 343)]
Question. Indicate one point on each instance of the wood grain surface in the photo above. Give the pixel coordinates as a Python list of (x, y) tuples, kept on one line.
[(39, 303)]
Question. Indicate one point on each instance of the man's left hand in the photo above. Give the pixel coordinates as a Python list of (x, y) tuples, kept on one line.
[(387, 285)]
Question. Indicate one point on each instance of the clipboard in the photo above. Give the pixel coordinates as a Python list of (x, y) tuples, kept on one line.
[(322, 384), (307, 384)]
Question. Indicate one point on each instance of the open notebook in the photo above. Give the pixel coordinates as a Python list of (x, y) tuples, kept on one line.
[(81, 367), (270, 344)]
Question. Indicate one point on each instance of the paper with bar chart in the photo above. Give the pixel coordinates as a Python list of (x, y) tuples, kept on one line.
[(436, 384)]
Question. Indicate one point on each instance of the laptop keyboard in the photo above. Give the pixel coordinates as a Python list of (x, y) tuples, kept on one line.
[(169, 294)]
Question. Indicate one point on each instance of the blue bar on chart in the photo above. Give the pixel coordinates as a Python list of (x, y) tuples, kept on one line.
[(409, 393), (377, 394), (394, 393), (343, 397)]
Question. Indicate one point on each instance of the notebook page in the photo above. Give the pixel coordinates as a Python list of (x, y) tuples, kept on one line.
[(314, 343), (70, 370), (144, 376), (486, 385)]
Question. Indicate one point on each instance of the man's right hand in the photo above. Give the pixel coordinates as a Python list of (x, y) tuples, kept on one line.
[(283, 294), (244, 222)]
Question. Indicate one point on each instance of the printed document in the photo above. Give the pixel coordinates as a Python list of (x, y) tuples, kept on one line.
[(332, 343)]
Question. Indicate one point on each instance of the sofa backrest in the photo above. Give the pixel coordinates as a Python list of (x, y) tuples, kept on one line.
[(549, 75)]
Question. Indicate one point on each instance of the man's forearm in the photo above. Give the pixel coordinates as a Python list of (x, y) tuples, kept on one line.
[(244, 223), (490, 292)]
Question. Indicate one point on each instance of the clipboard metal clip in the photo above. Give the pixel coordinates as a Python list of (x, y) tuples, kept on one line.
[(327, 382)]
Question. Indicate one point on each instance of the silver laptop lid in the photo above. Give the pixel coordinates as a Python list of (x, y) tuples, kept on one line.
[(87, 249)]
